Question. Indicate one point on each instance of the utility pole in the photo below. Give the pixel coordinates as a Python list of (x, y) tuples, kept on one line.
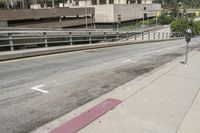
[(86, 25), (53, 3)]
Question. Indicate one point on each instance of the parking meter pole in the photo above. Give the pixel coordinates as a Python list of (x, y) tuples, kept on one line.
[(188, 37), (186, 53)]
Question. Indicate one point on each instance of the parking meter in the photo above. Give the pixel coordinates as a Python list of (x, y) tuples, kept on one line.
[(188, 36)]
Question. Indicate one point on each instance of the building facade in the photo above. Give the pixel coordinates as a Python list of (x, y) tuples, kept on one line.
[(46, 18), (108, 11)]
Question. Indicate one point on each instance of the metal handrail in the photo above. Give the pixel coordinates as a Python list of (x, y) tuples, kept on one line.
[(46, 38)]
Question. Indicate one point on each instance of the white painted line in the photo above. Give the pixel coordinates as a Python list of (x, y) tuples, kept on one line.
[(37, 88)]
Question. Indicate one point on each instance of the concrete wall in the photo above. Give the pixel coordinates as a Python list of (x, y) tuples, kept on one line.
[(104, 13), (152, 9), (20, 14), (69, 23), (109, 13), (45, 18), (128, 12), (3, 24)]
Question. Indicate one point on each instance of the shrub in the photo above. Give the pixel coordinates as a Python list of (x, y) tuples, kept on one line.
[(180, 25), (164, 19), (196, 28), (2, 5)]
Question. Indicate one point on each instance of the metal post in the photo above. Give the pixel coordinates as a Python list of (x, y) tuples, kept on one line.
[(86, 25), (117, 35), (148, 36), (45, 39), (156, 21), (143, 36), (159, 35), (166, 35), (126, 35), (11, 42), (117, 26), (70, 37), (53, 4), (90, 38), (154, 35), (163, 34), (105, 36), (186, 53), (135, 37)]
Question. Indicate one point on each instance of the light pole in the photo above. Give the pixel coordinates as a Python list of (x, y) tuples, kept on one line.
[(86, 25), (197, 4), (53, 3)]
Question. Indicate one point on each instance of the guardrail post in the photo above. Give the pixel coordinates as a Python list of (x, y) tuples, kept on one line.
[(159, 35), (90, 38), (127, 36), (166, 35), (142, 35), (70, 38), (163, 34), (105, 37), (11, 41), (148, 36), (45, 39), (135, 37), (117, 35), (154, 35)]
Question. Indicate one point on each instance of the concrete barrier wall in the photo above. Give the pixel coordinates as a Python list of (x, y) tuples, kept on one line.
[(68, 23), (21, 14)]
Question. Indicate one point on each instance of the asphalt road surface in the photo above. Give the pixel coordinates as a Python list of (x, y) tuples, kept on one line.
[(37, 90)]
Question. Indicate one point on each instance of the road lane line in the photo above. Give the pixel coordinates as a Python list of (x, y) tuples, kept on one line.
[(37, 88)]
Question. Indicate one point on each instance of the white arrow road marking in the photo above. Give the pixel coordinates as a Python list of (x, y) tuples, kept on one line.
[(37, 88)]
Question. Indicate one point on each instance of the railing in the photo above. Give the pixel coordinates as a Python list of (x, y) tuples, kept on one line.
[(15, 40)]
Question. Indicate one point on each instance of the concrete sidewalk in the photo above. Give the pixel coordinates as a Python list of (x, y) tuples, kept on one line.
[(169, 104), (166, 100)]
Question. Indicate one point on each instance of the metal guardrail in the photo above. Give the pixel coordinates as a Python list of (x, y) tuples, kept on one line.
[(15, 40)]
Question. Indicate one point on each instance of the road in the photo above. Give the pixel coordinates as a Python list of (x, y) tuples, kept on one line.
[(37, 90)]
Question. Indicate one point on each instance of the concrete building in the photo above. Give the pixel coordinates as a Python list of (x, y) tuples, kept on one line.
[(46, 18), (107, 12)]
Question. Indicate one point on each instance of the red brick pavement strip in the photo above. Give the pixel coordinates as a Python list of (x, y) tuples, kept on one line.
[(87, 117)]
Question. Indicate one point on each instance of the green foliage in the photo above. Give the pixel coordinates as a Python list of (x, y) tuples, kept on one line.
[(2, 5), (175, 3), (165, 19), (196, 28), (180, 25)]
